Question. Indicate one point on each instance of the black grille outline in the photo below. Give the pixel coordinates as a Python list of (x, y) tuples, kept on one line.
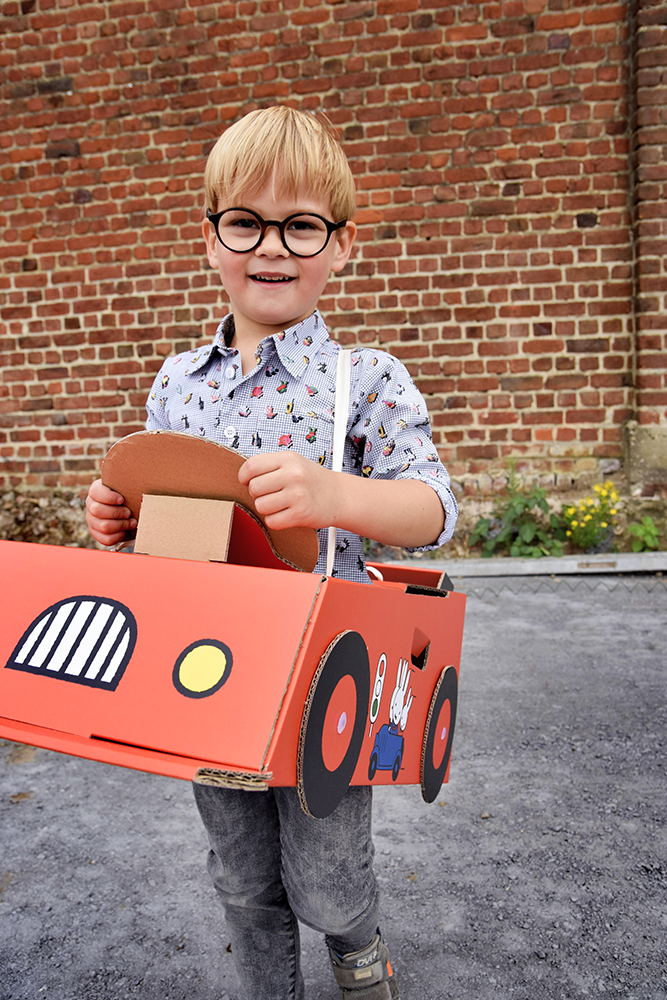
[(130, 625)]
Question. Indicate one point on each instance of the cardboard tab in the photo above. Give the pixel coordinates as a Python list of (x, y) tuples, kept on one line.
[(184, 528)]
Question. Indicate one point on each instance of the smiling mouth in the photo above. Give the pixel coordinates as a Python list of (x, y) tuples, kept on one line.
[(272, 279)]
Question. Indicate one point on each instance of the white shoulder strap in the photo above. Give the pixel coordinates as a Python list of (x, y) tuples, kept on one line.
[(341, 411)]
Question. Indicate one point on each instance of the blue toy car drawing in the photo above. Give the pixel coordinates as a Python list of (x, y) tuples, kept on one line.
[(387, 752)]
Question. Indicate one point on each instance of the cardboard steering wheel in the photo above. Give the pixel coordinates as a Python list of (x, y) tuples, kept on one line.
[(170, 463)]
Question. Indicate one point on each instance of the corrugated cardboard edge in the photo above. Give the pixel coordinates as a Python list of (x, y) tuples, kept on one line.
[(304, 722), (306, 626), (427, 725), (247, 781)]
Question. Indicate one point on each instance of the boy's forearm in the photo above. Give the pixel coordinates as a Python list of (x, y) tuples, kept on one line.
[(292, 491), (401, 512)]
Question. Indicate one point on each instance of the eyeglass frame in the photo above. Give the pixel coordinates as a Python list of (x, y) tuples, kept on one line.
[(331, 227)]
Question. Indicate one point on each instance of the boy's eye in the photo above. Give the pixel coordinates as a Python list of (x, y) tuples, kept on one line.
[(242, 222), (304, 225)]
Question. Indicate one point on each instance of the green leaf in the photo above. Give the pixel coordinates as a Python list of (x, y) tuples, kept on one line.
[(481, 530), (527, 532)]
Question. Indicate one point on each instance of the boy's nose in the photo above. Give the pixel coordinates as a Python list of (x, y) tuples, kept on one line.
[(272, 245)]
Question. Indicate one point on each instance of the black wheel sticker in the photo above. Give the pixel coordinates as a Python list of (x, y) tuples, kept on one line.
[(320, 790), (432, 776)]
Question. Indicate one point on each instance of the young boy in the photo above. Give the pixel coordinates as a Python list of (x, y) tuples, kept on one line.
[(280, 198)]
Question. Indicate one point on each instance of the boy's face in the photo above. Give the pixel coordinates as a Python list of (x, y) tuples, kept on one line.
[(270, 289)]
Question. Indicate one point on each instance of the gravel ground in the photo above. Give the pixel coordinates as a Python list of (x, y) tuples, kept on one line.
[(541, 872)]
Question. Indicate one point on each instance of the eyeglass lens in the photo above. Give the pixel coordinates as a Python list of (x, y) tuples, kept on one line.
[(303, 234)]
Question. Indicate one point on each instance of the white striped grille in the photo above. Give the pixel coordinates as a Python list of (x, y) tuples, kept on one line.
[(88, 640)]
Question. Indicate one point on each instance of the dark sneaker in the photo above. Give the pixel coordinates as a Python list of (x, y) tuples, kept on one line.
[(365, 974)]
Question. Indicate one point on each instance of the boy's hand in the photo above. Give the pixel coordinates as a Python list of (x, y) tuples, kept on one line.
[(108, 520), (290, 491)]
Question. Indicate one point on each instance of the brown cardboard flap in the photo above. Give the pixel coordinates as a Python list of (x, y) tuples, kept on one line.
[(185, 528), (168, 463), (247, 781)]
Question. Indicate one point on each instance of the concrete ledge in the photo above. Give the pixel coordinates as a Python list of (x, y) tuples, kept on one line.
[(622, 562)]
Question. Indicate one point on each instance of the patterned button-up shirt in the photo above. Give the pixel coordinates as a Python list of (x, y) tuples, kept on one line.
[(287, 403)]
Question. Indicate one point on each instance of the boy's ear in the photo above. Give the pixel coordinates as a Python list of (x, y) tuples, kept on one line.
[(208, 231), (344, 241)]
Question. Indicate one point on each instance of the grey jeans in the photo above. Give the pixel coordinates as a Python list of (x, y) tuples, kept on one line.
[(272, 864)]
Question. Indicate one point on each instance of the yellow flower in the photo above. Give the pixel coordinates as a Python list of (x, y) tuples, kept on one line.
[(568, 532), (575, 524), (612, 511), (603, 524), (588, 517)]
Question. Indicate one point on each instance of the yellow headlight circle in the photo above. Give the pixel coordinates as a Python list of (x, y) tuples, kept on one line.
[(202, 668)]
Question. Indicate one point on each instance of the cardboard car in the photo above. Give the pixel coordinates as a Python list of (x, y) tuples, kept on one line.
[(246, 673)]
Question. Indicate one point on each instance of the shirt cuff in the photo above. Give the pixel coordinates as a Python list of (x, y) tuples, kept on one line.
[(448, 501)]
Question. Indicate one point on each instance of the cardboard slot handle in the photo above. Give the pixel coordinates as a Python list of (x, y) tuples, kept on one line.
[(425, 591), (421, 645)]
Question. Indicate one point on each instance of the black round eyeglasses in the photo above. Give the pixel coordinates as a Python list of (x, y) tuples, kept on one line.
[(303, 234)]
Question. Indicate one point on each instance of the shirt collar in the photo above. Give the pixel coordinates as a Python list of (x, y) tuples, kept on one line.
[(296, 346)]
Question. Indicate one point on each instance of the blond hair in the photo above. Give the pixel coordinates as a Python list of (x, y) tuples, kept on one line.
[(291, 150)]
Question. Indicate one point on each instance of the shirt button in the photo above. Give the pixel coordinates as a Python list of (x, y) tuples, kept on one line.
[(230, 372), (230, 432)]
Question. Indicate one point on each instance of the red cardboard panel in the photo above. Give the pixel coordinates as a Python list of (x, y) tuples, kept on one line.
[(107, 752), (213, 647), (387, 619)]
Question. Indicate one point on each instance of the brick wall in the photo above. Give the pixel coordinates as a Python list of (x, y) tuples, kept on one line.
[(490, 145)]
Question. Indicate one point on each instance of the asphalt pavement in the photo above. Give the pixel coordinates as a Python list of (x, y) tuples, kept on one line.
[(540, 872)]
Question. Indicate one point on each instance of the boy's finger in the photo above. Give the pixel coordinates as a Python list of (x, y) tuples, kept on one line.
[(108, 539), (264, 482), (99, 493), (107, 528), (103, 511), (258, 465)]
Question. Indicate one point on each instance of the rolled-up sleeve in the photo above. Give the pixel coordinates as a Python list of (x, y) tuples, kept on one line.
[(391, 433)]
